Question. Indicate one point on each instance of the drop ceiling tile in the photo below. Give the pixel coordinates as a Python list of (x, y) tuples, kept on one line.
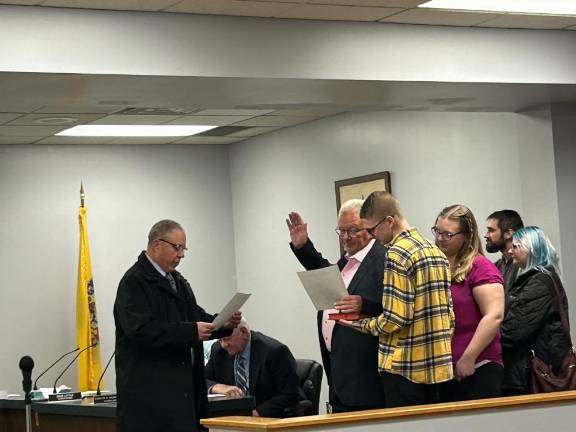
[(59, 140), (440, 17), (208, 120), (253, 131), (284, 1), (119, 119), (80, 109), (54, 120), (231, 7), (374, 3), (338, 13), (311, 112), (233, 112), (208, 140), (530, 21), (137, 5), (22, 2), (143, 140), (6, 117), (17, 140), (30, 131), (278, 121)]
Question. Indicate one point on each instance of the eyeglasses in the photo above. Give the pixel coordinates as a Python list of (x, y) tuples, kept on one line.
[(352, 232), (372, 229), (177, 247), (447, 235)]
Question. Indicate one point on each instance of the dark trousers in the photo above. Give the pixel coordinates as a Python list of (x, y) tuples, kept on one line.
[(486, 382), (403, 392), (336, 406), (514, 392)]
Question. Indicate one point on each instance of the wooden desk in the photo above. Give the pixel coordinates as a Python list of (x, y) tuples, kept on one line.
[(72, 416)]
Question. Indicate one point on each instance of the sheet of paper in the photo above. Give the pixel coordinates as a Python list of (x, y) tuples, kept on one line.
[(324, 286), (232, 306)]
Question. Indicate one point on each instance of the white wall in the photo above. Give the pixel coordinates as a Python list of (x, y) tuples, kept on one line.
[(536, 159), (128, 189), (435, 159), (564, 128)]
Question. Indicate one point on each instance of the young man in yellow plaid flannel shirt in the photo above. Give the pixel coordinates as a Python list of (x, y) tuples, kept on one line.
[(417, 322)]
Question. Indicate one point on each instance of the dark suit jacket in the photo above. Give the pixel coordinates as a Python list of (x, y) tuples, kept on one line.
[(352, 365), (273, 380)]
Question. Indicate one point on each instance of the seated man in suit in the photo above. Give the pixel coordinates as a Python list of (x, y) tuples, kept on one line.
[(251, 363)]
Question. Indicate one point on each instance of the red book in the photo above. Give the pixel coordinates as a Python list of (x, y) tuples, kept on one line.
[(346, 316)]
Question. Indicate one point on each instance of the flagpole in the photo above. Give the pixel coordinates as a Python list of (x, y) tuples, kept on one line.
[(81, 194)]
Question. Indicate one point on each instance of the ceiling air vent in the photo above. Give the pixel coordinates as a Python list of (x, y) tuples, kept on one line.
[(156, 111)]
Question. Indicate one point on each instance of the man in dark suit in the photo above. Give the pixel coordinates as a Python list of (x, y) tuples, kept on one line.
[(251, 363), (350, 358)]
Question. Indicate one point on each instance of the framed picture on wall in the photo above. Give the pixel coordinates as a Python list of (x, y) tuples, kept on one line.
[(361, 187)]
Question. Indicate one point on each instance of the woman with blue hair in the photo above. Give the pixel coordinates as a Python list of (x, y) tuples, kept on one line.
[(532, 319)]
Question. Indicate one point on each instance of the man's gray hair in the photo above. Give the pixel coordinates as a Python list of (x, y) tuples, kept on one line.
[(161, 228), (351, 206)]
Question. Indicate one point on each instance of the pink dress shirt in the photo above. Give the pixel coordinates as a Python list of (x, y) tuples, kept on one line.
[(348, 273)]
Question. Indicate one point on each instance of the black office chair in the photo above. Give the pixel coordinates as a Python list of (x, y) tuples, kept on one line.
[(310, 376)]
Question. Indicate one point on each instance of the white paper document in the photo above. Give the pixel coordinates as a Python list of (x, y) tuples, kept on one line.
[(232, 306), (324, 286)]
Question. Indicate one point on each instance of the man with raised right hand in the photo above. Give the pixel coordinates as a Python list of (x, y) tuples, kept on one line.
[(349, 357)]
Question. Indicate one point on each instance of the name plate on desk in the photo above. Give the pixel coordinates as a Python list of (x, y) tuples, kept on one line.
[(64, 396), (99, 399)]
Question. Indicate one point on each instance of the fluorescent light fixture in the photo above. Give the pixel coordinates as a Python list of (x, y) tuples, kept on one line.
[(552, 7), (134, 130)]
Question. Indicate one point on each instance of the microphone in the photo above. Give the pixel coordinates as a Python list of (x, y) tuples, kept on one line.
[(102, 375), (71, 363), (26, 365), (52, 365)]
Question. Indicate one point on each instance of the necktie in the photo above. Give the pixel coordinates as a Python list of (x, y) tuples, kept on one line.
[(241, 381), (172, 281)]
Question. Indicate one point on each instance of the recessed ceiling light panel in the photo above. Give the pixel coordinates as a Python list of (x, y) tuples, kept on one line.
[(134, 130), (538, 7)]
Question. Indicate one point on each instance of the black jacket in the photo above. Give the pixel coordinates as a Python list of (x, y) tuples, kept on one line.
[(352, 365), (532, 322), (160, 386), (272, 374)]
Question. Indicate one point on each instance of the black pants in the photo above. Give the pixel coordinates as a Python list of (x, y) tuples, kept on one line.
[(338, 407), (486, 382), (403, 392)]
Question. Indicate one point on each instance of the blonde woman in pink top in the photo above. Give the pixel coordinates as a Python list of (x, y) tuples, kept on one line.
[(478, 301)]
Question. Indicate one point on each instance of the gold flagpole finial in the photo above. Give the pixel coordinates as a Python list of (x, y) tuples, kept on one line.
[(81, 194)]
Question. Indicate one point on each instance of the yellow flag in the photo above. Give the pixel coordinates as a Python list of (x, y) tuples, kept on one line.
[(89, 363)]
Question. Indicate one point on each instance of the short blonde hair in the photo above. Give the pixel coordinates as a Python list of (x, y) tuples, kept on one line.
[(381, 204)]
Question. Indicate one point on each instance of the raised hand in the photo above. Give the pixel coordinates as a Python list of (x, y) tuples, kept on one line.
[(298, 230)]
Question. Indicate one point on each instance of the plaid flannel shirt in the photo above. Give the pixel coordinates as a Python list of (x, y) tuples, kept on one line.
[(415, 328)]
